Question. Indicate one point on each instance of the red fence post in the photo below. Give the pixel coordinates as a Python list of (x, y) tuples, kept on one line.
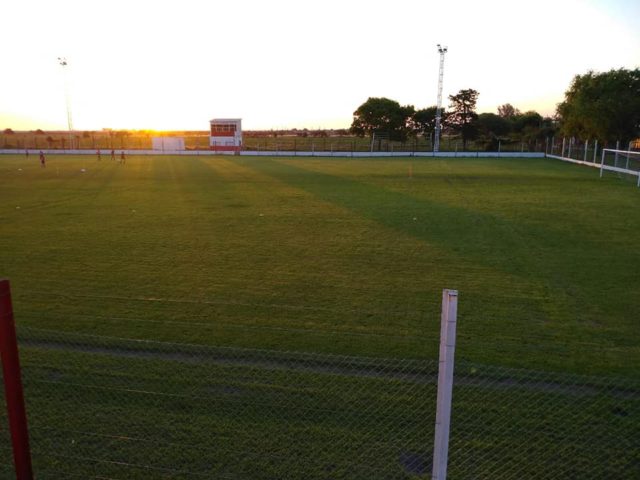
[(13, 386)]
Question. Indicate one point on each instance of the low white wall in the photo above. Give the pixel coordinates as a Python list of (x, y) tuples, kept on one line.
[(106, 152)]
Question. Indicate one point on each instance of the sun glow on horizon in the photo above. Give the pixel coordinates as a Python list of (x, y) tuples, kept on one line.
[(151, 65)]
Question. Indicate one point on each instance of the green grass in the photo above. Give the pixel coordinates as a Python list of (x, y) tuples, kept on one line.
[(341, 256), (330, 256)]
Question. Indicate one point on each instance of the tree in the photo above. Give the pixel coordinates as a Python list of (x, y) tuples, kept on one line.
[(423, 122), (463, 114), (382, 116), (508, 111), (605, 106), (490, 124), (8, 131), (492, 128), (122, 134), (529, 120)]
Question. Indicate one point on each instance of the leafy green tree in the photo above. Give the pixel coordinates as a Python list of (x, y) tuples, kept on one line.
[(492, 128), (490, 124), (423, 122), (508, 111), (382, 116), (529, 120), (605, 106), (462, 117)]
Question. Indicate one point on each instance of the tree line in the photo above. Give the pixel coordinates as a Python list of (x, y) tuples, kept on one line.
[(603, 106)]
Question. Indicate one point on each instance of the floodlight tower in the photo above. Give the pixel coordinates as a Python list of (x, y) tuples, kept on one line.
[(63, 63), (436, 143)]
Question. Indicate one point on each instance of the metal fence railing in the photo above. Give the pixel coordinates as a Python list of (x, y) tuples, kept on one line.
[(91, 142)]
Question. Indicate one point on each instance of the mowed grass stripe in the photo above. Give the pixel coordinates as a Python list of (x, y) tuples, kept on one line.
[(546, 282), (186, 241), (165, 241)]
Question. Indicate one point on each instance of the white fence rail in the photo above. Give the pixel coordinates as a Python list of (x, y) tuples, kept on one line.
[(277, 153), (602, 166)]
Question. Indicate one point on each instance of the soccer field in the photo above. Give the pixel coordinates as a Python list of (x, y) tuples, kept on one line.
[(330, 255), (179, 317)]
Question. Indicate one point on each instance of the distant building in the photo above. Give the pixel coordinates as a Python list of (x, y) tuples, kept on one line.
[(226, 134)]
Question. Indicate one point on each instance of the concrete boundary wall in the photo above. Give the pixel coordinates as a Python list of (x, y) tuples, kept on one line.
[(106, 153)]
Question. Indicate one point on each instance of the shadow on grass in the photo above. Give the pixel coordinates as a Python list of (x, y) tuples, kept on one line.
[(512, 247)]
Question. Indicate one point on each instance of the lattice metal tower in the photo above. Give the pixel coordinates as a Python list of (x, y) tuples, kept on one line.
[(436, 143), (63, 63)]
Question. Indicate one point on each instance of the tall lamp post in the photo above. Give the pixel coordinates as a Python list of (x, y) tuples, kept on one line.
[(436, 143), (63, 63)]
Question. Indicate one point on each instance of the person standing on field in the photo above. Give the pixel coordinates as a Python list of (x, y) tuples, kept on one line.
[(98, 154), (113, 154), (122, 157), (26, 154), (42, 159)]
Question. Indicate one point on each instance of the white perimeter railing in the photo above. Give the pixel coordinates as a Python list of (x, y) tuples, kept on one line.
[(601, 166), (277, 153)]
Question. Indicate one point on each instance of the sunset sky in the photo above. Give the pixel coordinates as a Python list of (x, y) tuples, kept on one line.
[(282, 63)]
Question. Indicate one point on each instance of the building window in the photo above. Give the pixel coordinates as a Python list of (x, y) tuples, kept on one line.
[(223, 128)]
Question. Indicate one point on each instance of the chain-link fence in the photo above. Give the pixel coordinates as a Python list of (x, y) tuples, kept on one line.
[(588, 151), (516, 424), (121, 140), (102, 407), (107, 407)]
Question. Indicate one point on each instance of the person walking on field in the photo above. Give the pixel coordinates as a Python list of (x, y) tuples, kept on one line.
[(98, 154), (113, 154), (42, 159), (122, 157), (26, 154)]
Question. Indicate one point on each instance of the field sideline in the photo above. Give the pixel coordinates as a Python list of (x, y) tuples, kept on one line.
[(330, 255)]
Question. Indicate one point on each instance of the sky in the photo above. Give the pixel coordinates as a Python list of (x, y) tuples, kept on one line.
[(140, 64)]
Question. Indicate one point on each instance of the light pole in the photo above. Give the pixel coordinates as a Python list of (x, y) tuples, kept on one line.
[(63, 63), (436, 143)]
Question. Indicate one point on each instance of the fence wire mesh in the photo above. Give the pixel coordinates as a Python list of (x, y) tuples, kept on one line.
[(512, 424), (102, 407), (115, 408)]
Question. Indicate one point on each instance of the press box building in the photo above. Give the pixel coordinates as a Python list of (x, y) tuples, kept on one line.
[(226, 134)]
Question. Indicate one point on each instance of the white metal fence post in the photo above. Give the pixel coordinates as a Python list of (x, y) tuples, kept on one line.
[(586, 147), (445, 383)]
